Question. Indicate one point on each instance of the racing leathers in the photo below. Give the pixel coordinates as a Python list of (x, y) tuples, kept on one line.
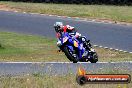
[(74, 34)]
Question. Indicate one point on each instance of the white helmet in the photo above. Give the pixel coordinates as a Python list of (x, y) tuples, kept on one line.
[(58, 24)]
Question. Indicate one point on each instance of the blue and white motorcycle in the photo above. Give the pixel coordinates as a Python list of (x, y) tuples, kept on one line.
[(75, 49)]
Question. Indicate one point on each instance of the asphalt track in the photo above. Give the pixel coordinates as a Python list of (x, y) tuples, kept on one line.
[(107, 35), (60, 68)]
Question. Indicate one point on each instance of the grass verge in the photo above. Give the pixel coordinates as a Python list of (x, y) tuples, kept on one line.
[(102, 12), (56, 81), (20, 47)]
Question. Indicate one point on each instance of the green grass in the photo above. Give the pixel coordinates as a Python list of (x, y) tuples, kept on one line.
[(50, 81), (21, 47), (109, 12)]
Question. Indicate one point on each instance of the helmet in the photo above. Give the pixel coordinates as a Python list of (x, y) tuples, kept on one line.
[(58, 26)]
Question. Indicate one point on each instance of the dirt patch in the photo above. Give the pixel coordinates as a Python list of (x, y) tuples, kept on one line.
[(6, 8)]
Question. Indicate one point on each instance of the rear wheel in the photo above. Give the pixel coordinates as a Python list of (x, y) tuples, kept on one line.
[(95, 58), (70, 55)]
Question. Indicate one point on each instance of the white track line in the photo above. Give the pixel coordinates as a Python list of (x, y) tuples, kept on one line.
[(60, 62), (106, 47), (80, 19), (15, 11), (112, 49)]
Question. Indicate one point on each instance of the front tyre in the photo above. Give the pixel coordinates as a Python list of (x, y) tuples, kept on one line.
[(70, 54), (95, 58)]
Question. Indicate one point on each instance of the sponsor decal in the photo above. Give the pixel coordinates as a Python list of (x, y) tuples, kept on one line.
[(83, 78)]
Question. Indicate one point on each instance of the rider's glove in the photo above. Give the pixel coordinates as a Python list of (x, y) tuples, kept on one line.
[(77, 35), (58, 43)]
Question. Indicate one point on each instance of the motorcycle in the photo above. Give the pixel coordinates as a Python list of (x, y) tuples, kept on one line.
[(74, 49)]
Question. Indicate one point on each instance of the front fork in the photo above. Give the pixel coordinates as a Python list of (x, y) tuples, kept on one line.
[(81, 50)]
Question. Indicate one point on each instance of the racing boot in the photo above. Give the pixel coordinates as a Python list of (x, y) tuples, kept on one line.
[(85, 54)]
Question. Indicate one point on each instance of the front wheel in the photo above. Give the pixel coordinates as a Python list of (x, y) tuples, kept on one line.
[(95, 58), (70, 55)]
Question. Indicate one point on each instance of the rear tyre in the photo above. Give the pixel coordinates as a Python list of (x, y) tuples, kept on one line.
[(69, 55), (95, 58)]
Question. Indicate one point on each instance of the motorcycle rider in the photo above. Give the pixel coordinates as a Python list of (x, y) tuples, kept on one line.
[(59, 28)]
